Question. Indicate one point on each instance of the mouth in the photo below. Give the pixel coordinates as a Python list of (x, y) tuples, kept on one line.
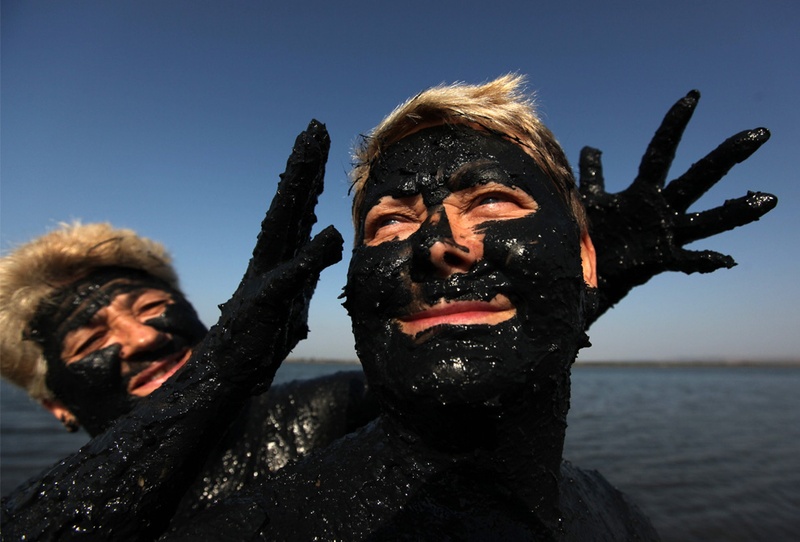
[(458, 313), (158, 372)]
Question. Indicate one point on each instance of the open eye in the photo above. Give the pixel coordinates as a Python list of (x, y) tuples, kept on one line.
[(492, 198), (497, 201)]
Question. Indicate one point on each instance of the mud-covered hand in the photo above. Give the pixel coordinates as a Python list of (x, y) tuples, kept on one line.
[(126, 483), (266, 316), (642, 230)]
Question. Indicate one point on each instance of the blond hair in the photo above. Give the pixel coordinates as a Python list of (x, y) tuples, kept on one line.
[(499, 106), (35, 271)]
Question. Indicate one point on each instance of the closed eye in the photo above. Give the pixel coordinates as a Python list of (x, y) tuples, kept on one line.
[(393, 218), (88, 345), (151, 303)]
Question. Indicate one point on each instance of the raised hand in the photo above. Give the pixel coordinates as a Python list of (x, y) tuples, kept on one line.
[(641, 231), (125, 483), (266, 316)]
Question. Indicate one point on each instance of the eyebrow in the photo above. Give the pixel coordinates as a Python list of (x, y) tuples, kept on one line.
[(476, 172)]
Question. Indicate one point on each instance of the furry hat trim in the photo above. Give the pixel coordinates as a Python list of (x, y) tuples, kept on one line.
[(33, 272)]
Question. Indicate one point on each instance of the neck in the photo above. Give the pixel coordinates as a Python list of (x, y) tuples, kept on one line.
[(515, 444)]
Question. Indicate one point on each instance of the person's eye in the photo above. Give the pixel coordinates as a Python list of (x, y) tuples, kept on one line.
[(500, 202), (389, 220), (385, 226), (392, 219), (149, 307), (489, 199), (496, 197), (88, 345)]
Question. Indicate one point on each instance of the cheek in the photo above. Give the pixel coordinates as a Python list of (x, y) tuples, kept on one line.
[(97, 372), (92, 388), (180, 319), (378, 280), (542, 262), (536, 247)]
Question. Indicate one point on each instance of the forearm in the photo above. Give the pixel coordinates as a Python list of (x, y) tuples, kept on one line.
[(125, 483)]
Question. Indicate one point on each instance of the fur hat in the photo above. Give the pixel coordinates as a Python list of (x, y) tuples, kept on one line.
[(38, 269)]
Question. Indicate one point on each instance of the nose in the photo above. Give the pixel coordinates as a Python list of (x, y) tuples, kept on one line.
[(135, 337), (443, 247)]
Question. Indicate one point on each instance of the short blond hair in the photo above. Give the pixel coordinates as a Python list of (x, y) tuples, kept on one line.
[(499, 106), (32, 273)]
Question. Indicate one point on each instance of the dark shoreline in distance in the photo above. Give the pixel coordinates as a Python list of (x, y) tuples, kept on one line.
[(788, 363)]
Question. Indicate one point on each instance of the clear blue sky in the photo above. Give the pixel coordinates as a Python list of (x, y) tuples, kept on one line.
[(175, 119)]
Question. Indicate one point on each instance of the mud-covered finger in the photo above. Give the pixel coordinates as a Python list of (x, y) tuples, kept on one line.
[(591, 178), (287, 224), (658, 157), (689, 187), (732, 214), (701, 261)]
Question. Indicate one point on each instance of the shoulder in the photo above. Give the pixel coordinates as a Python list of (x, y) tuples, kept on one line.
[(593, 509)]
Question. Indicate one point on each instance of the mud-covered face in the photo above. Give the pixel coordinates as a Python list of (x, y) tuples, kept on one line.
[(113, 340), (466, 282)]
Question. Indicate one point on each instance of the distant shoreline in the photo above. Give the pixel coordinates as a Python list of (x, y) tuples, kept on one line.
[(641, 363)]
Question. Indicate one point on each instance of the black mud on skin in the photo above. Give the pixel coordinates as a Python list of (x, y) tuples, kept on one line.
[(93, 388), (643, 230), (127, 482), (468, 446), (534, 261)]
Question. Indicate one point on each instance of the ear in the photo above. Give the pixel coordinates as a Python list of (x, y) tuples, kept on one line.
[(62, 414), (588, 260)]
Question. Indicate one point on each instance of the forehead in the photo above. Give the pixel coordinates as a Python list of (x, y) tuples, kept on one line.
[(443, 159)]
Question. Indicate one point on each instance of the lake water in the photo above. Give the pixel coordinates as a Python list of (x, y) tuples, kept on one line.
[(709, 453)]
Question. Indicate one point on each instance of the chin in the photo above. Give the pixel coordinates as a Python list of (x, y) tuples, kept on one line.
[(454, 366)]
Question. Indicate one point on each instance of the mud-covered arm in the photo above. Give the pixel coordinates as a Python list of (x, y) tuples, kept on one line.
[(125, 484), (641, 231)]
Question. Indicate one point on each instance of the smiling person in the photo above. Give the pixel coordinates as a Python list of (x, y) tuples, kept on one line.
[(93, 325), (102, 319), (92, 320), (472, 282)]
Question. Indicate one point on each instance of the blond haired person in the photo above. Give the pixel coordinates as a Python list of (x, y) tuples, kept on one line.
[(460, 450)]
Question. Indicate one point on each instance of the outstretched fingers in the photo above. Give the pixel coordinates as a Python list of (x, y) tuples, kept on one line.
[(689, 187), (287, 225), (658, 157), (733, 213)]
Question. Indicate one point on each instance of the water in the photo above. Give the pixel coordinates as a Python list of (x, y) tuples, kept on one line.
[(710, 454)]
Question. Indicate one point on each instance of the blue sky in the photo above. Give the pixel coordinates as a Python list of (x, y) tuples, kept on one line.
[(175, 119)]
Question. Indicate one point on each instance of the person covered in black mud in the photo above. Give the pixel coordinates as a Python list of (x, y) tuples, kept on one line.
[(470, 284), (92, 321), (170, 442)]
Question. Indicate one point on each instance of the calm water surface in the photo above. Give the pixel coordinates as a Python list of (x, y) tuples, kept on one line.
[(710, 454)]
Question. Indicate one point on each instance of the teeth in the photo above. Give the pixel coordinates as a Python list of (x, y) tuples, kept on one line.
[(160, 373)]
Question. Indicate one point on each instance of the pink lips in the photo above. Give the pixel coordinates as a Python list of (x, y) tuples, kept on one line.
[(157, 373), (457, 313)]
